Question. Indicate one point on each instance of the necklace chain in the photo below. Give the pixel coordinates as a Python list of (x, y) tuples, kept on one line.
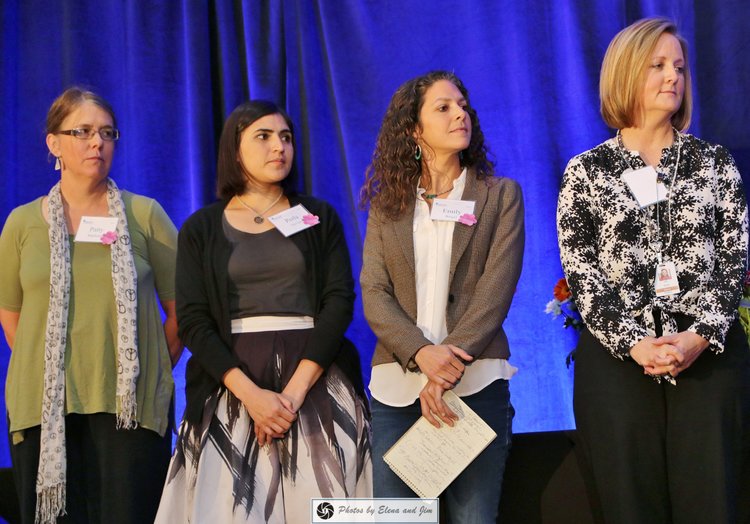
[(259, 216), (431, 196)]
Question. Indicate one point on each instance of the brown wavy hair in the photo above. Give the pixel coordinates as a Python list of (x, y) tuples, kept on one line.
[(393, 174)]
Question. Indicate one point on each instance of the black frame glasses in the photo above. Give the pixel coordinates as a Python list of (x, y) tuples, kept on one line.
[(108, 134)]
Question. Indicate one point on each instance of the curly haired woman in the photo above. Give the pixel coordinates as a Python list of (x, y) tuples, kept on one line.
[(441, 261)]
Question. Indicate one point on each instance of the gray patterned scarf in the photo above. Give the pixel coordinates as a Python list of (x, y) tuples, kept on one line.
[(50, 481)]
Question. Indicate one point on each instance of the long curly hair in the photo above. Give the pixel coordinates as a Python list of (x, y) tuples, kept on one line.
[(394, 172)]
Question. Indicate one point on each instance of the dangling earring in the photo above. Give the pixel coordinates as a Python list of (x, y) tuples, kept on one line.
[(460, 156), (57, 163), (418, 153)]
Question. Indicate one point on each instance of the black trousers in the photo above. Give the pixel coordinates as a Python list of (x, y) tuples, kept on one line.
[(661, 453), (113, 476)]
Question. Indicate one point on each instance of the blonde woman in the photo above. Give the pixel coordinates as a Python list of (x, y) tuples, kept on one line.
[(652, 227)]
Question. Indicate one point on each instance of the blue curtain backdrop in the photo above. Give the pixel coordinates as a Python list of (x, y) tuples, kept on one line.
[(174, 69)]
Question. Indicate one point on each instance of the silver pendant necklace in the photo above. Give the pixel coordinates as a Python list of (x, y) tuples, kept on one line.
[(259, 216)]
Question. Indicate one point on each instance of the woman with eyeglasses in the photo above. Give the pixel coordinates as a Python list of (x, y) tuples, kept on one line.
[(276, 412), (90, 378), (652, 227)]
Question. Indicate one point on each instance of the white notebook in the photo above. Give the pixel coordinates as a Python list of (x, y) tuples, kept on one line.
[(428, 459)]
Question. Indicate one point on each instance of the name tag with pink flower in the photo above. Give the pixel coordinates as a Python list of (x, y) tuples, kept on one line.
[(101, 230), (294, 220), (461, 211)]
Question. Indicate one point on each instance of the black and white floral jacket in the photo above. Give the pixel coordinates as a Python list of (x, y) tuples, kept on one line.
[(609, 260)]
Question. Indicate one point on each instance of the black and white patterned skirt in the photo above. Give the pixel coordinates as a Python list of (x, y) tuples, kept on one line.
[(219, 473)]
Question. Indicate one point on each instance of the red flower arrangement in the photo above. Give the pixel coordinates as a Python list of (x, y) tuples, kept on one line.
[(562, 304), (561, 291)]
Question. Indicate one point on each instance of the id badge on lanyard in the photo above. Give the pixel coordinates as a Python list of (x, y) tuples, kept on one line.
[(665, 281)]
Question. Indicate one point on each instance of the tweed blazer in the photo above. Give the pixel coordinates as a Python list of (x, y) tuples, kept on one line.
[(485, 265)]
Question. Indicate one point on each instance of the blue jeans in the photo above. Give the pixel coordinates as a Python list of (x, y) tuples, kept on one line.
[(474, 497)]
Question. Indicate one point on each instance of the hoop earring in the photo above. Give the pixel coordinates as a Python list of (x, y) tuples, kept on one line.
[(418, 153)]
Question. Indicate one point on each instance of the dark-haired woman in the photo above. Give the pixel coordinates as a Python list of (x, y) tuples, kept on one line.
[(662, 378), (90, 379), (436, 291), (276, 412)]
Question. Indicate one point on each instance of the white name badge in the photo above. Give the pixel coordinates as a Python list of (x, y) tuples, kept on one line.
[(293, 220), (665, 282), (451, 210), (644, 186), (91, 229)]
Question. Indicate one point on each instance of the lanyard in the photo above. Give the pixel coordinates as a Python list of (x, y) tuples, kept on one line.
[(655, 243)]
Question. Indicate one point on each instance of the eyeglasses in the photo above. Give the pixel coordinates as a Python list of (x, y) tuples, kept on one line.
[(108, 134)]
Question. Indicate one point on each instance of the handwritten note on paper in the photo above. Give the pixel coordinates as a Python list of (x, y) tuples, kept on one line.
[(644, 185), (91, 229), (428, 459), (451, 210), (293, 220)]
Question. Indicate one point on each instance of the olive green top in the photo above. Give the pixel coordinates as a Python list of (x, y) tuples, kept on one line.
[(91, 350)]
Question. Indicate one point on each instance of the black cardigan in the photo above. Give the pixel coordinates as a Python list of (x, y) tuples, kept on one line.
[(202, 283)]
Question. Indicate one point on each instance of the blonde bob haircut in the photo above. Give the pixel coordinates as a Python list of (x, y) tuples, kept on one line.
[(624, 72)]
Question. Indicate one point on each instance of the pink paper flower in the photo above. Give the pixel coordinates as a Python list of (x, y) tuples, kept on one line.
[(310, 220), (108, 238), (467, 219)]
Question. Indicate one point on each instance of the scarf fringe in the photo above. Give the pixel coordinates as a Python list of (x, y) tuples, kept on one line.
[(50, 503), (127, 408)]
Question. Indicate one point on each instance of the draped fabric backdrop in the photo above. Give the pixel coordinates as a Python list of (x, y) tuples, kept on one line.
[(174, 69)]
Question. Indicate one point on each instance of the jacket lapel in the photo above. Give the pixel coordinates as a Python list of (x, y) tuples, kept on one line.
[(474, 190), (403, 230)]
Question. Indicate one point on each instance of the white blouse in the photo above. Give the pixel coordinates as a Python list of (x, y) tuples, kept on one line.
[(433, 243)]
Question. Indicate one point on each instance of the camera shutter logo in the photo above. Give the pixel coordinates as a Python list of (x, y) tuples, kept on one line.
[(325, 510)]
